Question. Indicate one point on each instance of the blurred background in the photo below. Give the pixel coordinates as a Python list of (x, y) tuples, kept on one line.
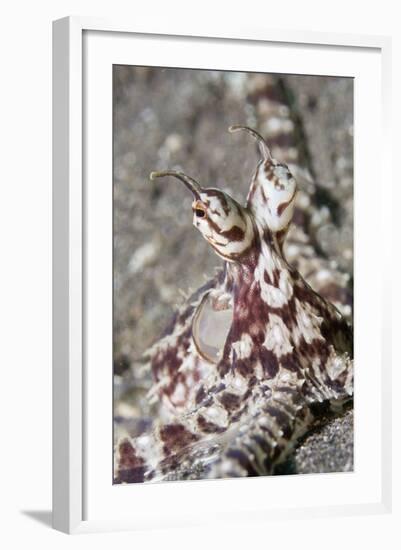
[(178, 119)]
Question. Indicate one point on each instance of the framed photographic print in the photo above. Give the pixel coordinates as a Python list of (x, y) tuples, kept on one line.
[(218, 324)]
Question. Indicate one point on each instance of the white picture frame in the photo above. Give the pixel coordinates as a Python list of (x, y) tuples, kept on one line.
[(80, 45)]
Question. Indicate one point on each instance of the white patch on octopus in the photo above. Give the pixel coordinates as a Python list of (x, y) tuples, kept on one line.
[(243, 347), (239, 384), (258, 370), (266, 261), (236, 383), (336, 366), (273, 296), (287, 378), (316, 365), (148, 448), (236, 247), (308, 322), (285, 284), (179, 394), (216, 414), (349, 383), (277, 337)]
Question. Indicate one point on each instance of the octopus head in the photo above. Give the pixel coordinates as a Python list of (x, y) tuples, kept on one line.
[(271, 197), (232, 229), (224, 223)]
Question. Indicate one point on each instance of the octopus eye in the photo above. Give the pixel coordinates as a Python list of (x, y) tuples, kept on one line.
[(199, 213)]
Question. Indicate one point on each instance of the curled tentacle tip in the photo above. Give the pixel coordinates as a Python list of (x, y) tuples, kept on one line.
[(234, 128), (189, 182), (264, 149), (153, 175)]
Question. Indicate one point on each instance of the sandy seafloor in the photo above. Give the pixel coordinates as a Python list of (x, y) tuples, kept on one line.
[(179, 119)]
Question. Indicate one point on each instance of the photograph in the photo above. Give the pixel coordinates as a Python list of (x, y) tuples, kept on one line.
[(232, 274)]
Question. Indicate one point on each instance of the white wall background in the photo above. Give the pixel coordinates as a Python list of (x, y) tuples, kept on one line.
[(25, 218)]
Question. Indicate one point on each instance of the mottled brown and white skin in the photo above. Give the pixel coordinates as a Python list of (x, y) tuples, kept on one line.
[(253, 357)]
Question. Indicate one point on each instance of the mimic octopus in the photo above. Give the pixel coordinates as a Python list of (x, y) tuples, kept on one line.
[(253, 357)]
